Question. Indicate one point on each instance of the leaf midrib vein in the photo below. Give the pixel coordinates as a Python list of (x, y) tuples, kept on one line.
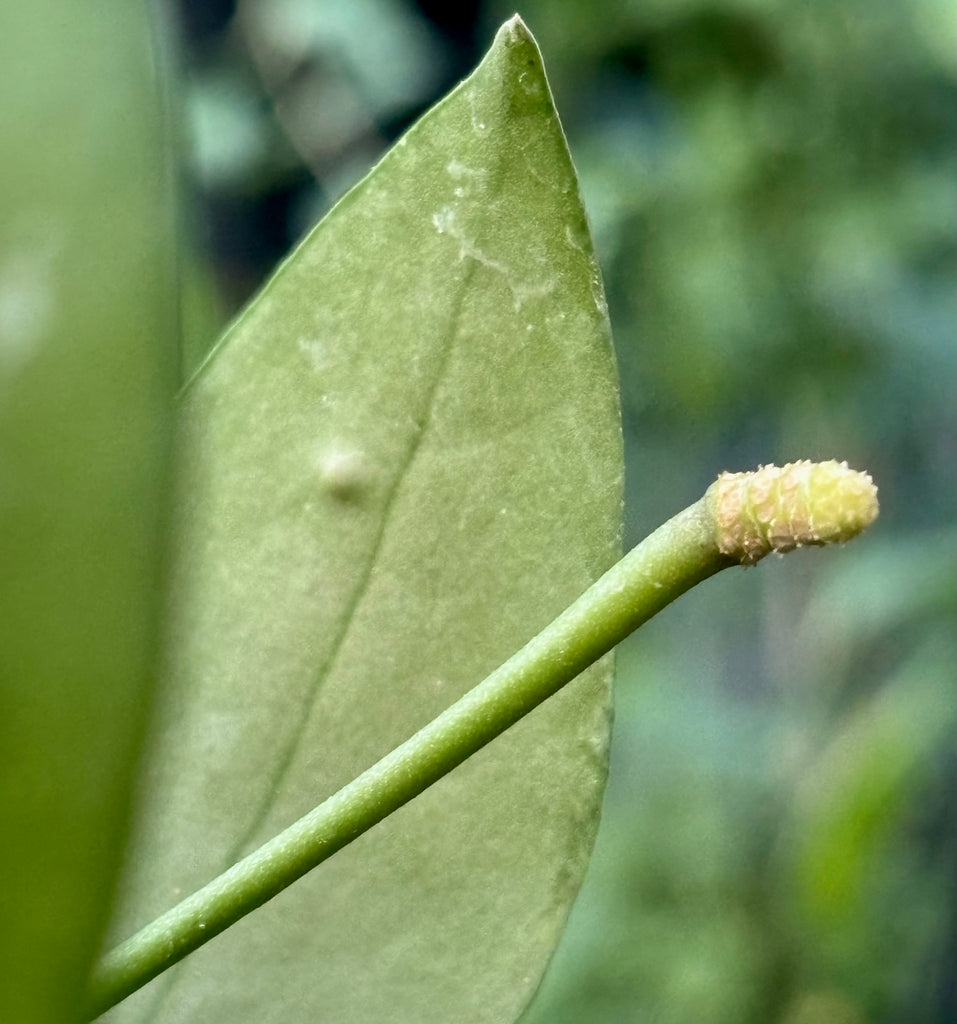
[(285, 763)]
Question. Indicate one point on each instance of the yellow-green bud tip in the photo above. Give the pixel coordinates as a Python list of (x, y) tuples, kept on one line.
[(779, 508)]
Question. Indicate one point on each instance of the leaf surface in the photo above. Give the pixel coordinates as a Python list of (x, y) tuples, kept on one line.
[(87, 347), (401, 462)]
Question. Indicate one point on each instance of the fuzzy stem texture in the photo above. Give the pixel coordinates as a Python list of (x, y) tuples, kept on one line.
[(741, 517)]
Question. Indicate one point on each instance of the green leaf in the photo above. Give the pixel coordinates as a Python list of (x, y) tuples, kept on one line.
[(87, 346), (400, 464)]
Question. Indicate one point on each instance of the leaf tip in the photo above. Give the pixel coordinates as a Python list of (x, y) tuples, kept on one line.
[(514, 33), (515, 28)]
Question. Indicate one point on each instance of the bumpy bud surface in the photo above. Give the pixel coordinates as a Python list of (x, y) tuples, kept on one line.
[(779, 508)]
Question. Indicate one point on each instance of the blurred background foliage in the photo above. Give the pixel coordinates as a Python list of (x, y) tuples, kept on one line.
[(771, 188)]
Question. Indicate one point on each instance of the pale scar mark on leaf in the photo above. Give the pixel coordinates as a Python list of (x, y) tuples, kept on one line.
[(446, 222)]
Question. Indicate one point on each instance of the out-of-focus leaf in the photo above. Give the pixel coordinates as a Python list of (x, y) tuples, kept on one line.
[(402, 461), (856, 793), (385, 48), (847, 849), (890, 584), (87, 346)]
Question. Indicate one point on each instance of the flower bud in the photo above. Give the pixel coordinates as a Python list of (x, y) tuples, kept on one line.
[(779, 508)]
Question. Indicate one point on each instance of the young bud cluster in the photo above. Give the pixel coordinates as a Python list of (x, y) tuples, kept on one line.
[(779, 508)]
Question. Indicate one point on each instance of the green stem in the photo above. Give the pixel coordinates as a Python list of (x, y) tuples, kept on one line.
[(681, 553)]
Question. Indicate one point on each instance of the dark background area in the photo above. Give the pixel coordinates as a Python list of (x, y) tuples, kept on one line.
[(771, 190)]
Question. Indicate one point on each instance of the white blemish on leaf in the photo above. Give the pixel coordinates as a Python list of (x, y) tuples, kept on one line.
[(314, 350), (598, 293), (458, 170), (530, 84), (570, 238), (466, 177), (446, 222), (478, 122), (344, 471), (27, 306)]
